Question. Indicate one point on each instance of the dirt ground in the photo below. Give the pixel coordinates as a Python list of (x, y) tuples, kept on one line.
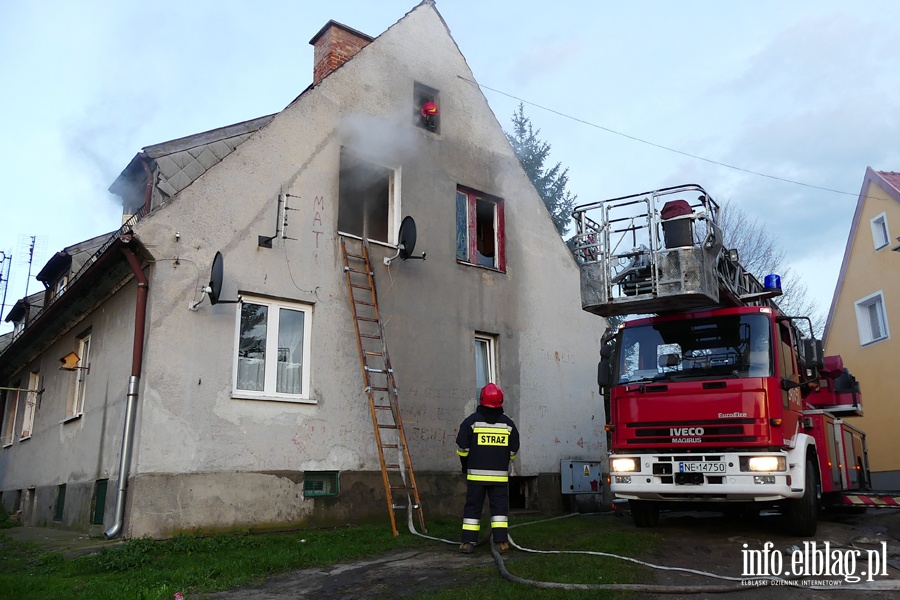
[(707, 542)]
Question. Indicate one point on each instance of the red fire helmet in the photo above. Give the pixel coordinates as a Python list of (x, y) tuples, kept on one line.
[(491, 396), (429, 109)]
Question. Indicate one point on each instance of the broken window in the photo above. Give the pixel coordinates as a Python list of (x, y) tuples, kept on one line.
[(366, 205), (426, 108), (75, 404), (479, 229)]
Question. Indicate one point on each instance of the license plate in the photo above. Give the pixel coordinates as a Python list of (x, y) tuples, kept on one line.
[(701, 467)]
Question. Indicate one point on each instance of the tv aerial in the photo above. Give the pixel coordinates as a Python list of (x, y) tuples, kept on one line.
[(214, 289), (406, 242)]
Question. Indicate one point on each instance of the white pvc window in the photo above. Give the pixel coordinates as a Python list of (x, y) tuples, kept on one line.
[(880, 235), (9, 414), (871, 319), (485, 361), (82, 372), (34, 383), (272, 349)]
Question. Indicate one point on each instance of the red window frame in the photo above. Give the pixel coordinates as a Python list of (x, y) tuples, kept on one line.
[(467, 239)]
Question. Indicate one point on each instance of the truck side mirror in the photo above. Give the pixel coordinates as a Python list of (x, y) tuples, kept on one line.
[(789, 384), (604, 375)]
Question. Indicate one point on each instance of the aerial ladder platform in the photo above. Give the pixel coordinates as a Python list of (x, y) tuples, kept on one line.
[(660, 251)]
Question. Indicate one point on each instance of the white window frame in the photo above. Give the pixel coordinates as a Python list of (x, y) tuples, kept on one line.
[(490, 342), (269, 388), (31, 397), (394, 187), (76, 407), (9, 415), (864, 311), (881, 236)]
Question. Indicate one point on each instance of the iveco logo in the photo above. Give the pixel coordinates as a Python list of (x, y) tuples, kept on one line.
[(677, 431)]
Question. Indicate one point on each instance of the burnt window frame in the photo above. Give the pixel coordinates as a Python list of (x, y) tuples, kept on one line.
[(422, 94), (467, 228)]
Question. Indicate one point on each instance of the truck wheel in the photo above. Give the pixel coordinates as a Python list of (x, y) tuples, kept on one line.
[(802, 513), (645, 514)]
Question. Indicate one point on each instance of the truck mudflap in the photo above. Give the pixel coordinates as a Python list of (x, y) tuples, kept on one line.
[(872, 499)]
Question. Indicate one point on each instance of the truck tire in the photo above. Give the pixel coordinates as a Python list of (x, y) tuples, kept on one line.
[(645, 514), (802, 513)]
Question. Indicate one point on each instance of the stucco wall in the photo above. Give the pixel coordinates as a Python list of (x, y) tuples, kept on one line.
[(204, 459), (875, 365)]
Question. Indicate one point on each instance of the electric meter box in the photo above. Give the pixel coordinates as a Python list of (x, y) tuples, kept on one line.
[(581, 476)]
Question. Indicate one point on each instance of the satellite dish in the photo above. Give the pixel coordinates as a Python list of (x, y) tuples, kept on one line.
[(407, 237), (217, 273), (406, 241)]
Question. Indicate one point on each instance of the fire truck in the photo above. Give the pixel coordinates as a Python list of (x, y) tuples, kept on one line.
[(715, 395)]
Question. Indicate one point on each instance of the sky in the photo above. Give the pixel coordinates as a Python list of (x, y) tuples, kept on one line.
[(625, 92)]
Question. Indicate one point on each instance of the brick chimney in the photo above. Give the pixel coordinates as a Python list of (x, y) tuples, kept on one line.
[(334, 45)]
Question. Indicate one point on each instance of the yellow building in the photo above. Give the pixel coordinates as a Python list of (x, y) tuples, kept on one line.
[(866, 303)]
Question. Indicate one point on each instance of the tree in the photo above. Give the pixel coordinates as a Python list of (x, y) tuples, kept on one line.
[(760, 254), (551, 183)]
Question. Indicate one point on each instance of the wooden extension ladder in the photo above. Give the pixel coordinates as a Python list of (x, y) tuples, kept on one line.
[(380, 387)]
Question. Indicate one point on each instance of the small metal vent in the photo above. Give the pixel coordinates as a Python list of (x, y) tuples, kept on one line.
[(320, 483)]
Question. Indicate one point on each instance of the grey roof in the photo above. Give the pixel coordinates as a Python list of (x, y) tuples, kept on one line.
[(181, 162)]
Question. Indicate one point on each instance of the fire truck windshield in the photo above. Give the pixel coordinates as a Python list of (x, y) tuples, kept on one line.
[(715, 347)]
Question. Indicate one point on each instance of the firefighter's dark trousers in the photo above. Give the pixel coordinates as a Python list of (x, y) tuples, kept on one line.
[(498, 497)]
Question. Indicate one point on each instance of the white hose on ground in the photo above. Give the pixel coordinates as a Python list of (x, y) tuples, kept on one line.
[(631, 587)]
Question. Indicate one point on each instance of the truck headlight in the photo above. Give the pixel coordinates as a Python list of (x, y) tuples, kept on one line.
[(624, 465), (765, 463)]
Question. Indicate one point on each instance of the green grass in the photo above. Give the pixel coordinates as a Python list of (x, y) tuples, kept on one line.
[(593, 533), (6, 522), (149, 569)]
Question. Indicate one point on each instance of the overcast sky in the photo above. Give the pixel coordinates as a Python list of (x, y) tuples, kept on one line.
[(804, 90)]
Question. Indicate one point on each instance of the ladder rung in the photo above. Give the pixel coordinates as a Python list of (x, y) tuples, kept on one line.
[(387, 426), (373, 353), (387, 466), (360, 287), (371, 336), (384, 371), (381, 406), (402, 487), (363, 302), (392, 446), (358, 271), (360, 257), (369, 319), (378, 389)]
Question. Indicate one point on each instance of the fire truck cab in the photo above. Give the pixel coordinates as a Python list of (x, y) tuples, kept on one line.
[(715, 395)]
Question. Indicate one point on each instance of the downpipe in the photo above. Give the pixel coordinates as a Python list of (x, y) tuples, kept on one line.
[(125, 462), (131, 400)]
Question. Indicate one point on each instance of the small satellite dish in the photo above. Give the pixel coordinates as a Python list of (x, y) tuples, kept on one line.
[(216, 274), (406, 241), (407, 237)]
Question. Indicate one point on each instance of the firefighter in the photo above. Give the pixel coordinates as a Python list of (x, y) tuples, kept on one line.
[(487, 441)]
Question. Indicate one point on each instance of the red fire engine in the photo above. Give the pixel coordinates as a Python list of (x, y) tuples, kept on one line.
[(716, 395)]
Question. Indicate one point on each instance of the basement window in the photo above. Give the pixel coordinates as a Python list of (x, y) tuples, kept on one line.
[(60, 502), (426, 108), (99, 501), (320, 483), (369, 202), (480, 235)]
